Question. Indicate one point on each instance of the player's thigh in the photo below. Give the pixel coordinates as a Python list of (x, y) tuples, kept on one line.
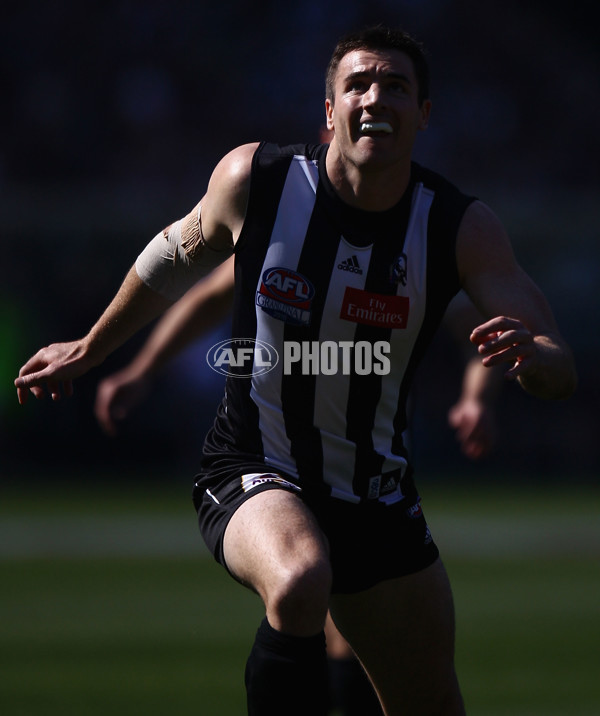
[(273, 538), (403, 632)]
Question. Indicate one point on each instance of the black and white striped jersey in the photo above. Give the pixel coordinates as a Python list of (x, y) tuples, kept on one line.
[(349, 300)]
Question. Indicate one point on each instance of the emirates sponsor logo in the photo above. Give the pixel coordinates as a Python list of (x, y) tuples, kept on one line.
[(375, 309)]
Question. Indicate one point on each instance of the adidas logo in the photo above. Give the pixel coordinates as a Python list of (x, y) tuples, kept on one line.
[(389, 486), (350, 264)]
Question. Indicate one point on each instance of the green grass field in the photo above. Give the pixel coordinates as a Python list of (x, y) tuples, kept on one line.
[(115, 608)]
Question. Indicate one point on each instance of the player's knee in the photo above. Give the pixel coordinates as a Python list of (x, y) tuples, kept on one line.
[(301, 597)]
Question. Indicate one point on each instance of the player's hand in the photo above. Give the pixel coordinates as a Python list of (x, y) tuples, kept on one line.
[(475, 427), (52, 369), (506, 340), (116, 397)]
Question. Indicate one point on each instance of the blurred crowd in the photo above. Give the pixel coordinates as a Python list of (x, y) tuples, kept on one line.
[(115, 112)]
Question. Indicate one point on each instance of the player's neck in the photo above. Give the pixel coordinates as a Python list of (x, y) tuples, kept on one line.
[(371, 188)]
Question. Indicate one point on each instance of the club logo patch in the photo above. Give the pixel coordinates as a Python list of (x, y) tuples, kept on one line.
[(399, 270), (286, 295)]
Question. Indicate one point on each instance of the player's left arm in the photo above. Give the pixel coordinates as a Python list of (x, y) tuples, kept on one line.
[(520, 330)]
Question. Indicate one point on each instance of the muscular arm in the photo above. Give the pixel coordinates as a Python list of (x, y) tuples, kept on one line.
[(520, 331), (223, 210)]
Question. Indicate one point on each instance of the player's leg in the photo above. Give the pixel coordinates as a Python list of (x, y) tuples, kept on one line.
[(273, 544), (352, 693), (403, 632)]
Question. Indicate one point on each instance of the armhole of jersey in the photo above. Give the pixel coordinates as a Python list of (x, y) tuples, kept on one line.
[(454, 204), (239, 244), (467, 201), (259, 168)]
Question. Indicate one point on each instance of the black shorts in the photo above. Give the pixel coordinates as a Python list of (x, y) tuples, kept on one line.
[(369, 541)]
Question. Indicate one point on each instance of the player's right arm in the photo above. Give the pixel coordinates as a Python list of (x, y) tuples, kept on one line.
[(192, 247)]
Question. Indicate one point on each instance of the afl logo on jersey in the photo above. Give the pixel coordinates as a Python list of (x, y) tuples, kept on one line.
[(286, 295)]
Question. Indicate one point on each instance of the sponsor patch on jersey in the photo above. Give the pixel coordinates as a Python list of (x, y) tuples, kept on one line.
[(286, 295), (256, 479), (375, 309)]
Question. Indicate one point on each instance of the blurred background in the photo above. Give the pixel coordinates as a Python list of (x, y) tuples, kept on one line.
[(114, 114)]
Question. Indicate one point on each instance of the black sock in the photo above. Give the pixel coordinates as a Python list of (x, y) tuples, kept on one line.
[(287, 675), (351, 691)]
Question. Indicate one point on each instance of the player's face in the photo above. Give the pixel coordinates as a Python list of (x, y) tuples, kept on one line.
[(376, 113)]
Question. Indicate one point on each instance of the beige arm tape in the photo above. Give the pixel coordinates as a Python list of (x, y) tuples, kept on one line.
[(178, 257)]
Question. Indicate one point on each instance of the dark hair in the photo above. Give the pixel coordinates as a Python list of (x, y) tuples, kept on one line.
[(380, 37)]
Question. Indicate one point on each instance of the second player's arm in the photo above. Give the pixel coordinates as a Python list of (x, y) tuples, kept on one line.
[(201, 309), (473, 415)]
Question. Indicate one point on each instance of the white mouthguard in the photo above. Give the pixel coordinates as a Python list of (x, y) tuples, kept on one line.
[(368, 127)]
